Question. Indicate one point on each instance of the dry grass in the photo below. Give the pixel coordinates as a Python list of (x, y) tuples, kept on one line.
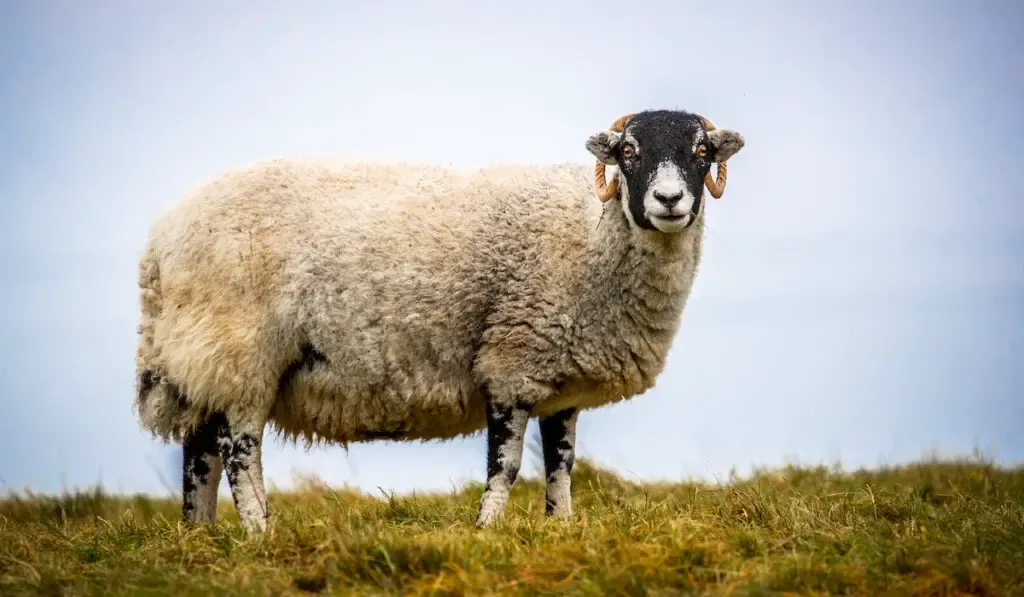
[(936, 528)]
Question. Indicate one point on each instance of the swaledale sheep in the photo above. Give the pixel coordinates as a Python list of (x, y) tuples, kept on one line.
[(345, 302)]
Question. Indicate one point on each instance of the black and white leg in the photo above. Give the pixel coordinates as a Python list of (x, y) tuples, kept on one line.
[(506, 429), (201, 472), (558, 439), (240, 441)]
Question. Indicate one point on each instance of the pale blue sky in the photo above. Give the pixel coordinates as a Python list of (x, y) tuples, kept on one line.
[(862, 293)]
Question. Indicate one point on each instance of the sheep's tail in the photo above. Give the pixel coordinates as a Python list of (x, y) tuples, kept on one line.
[(158, 403)]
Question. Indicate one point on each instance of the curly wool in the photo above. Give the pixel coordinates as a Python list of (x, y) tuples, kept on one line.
[(348, 301)]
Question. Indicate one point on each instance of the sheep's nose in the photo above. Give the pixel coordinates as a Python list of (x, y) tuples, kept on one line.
[(668, 200)]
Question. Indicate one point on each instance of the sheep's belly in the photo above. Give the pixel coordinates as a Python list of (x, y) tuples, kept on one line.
[(584, 395), (316, 409), (329, 406)]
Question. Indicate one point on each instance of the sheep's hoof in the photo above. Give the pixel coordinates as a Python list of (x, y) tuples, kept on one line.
[(486, 518), (492, 506), (255, 526)]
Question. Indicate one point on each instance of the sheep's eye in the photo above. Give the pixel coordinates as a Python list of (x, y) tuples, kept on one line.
[(627, 151), (702, 150)]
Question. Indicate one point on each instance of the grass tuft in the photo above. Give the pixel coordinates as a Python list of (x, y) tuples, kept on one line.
[(932, 528)]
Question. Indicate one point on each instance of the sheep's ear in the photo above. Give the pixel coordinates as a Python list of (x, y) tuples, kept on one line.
[(604, 146), (724, 144)]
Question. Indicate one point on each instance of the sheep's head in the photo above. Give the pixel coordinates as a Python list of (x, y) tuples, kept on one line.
[(664, 160)]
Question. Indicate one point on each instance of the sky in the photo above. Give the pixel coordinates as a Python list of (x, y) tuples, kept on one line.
[(861, 296)]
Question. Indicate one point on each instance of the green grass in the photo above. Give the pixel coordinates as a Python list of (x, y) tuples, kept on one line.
[(934, 528)]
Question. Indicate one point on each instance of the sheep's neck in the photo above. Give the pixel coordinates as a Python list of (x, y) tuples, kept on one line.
[(639, 282), (653, 265)]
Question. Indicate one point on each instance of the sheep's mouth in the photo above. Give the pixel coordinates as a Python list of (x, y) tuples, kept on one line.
[(676, 219), (673, 222)]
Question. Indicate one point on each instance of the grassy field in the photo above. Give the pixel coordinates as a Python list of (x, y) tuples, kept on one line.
[(935, 528)]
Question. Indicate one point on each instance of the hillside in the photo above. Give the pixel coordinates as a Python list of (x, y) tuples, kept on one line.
[(934, 528)]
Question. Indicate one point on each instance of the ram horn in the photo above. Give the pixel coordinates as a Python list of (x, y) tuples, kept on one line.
[(606, 190), (715, 187)]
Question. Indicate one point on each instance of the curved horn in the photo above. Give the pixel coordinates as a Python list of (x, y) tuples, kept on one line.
[(715, 187), (606, 190)]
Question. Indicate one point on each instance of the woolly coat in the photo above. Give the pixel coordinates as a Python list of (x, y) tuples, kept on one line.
[(350, 301)]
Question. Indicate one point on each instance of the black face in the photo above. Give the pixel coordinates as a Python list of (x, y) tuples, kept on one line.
[(651, 144), (663, 157)]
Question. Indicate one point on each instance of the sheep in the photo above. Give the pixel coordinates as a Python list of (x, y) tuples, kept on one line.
[(343, 301)]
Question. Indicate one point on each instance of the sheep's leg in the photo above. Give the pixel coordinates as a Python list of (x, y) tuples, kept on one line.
[(506, 428), (201, 472), (558, 438), (240, 442)]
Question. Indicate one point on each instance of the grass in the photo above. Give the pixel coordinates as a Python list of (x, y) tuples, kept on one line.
[(933, 528)]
